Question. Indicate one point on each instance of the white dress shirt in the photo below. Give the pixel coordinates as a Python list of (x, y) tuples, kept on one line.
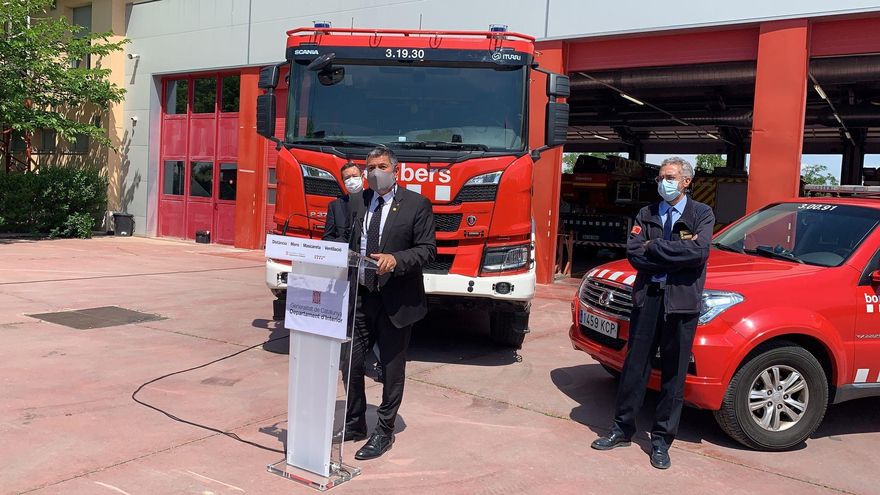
[(386, 207)]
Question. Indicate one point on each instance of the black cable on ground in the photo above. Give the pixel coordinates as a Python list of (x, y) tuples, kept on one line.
[(197, 425)]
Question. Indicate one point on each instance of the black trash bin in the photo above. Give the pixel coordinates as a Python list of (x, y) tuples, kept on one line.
[(123, 224)]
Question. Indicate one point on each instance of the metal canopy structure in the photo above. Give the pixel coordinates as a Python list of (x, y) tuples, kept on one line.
[(708, 108)]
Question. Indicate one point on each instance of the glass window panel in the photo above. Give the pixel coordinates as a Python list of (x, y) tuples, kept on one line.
[(173, 178), (175, 98), (228, 180), (272, 178), (204, 95), (230, 96), (18, 142), (80, 144), (201, 179), (270, 196)]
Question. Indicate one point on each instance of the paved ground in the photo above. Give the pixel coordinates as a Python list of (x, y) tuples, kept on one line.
[(475, 419)]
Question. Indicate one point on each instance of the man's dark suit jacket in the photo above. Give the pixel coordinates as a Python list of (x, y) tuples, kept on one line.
[(337, 227), (408, 234)]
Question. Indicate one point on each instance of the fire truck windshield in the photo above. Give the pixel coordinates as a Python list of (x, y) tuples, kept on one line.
[(417, 107), (813, 233)]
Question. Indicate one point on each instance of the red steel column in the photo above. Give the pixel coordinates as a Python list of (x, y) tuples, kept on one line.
[(251, 190), (780, 103), (548, 170)]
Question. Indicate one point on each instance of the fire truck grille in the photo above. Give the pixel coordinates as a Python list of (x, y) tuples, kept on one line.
[(609, 298), (447, 222), (441, 265), (321, 187), (476, 193)]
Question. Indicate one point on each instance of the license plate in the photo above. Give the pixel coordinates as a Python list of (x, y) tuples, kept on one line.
[(599, 324)]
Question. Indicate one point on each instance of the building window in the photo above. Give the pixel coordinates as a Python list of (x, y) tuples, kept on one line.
[(201, 179), (45, 141), (230, 94), (82, 17), (173, 178), (18, 142), (228, 181), (270, 196), (272, 177), (79, 145), (204, 95), (176, 93)]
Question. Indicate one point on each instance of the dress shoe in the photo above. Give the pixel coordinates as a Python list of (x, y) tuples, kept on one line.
[(660, 458), (611, 441), (351, 434), (377, 445)]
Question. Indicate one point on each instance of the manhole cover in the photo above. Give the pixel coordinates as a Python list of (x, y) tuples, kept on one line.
[(105, 316)]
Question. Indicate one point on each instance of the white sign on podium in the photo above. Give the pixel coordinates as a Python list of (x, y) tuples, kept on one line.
[(317, 313)]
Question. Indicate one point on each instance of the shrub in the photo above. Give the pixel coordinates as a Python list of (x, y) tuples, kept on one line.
[(58, 201)]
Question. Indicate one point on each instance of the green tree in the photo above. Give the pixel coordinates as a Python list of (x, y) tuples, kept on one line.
[(817, 174), (709, 163), (43, 84)]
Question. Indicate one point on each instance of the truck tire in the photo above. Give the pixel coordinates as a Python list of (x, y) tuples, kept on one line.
[(776, 399), (509, 328)]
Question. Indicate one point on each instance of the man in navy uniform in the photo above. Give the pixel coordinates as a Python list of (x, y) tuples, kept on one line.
[(669, 247)]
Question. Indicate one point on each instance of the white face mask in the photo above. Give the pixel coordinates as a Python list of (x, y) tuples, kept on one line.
[(668, 189), (380, 181), (354, 185)]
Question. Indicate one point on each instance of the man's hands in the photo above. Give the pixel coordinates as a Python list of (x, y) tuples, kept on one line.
[(385, 263)]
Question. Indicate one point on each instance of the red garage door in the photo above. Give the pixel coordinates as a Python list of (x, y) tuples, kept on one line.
[(198, 155)]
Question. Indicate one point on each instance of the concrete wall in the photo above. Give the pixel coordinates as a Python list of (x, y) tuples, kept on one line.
[(179, 36)]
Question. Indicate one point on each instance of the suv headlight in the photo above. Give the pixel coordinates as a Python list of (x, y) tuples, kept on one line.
[(716, 302), (492, 178), (506, 258)]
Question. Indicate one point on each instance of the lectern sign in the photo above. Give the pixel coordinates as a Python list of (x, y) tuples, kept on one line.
[(318, 304), (307, 250)]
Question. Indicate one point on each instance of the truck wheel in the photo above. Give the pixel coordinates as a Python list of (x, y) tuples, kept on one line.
[(509, 328), (776, 400)]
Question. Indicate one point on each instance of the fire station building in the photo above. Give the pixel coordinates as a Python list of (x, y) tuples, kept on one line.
[(771, 80)]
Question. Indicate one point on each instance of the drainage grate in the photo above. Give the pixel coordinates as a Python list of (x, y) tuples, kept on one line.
[(106, 316)]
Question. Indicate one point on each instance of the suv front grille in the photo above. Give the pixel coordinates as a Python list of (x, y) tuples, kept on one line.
[(618, 301)]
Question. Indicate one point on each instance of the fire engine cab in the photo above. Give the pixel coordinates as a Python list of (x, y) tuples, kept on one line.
[(454, 108), (790, 320)]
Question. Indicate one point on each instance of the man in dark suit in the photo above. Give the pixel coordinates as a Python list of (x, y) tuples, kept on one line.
[(394, 227), (669, 247), (339, 212)]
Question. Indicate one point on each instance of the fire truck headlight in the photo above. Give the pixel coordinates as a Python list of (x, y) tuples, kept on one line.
[(716, 302), (310, 171), (491, 178), (506, 258)]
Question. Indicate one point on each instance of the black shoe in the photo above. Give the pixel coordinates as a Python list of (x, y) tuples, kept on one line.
[(660, 458), (610, 441), (351, 434), (377, 445)]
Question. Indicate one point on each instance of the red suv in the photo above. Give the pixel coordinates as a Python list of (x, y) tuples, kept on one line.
[(790, 319)]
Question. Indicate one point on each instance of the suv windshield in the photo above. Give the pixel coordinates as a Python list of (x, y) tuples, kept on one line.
[(429, 107), (812, 233)]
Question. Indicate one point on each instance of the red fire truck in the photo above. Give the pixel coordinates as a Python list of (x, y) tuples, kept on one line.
[(453, 106), (789, 317)]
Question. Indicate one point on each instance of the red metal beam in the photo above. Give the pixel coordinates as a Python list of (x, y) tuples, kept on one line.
[(845, 37), (780, 103), (251, 189), (680, 48)]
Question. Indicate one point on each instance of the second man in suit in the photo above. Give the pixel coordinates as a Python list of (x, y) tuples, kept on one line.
[(339, 211), (394, 227)]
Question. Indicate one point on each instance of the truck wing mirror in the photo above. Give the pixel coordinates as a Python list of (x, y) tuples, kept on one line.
[(269, 77), (558, 86), (875, 277), (557, 124), (266, 115)]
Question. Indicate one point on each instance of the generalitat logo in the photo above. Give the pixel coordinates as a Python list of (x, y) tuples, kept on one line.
[(316, 297)]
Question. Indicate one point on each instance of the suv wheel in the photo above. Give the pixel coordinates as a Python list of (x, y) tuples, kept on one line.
[(776, 399)]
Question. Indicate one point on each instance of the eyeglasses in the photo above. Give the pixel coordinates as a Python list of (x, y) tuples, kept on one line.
[(660, 178)]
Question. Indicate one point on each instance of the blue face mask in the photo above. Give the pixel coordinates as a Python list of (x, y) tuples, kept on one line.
[(668, 189)]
